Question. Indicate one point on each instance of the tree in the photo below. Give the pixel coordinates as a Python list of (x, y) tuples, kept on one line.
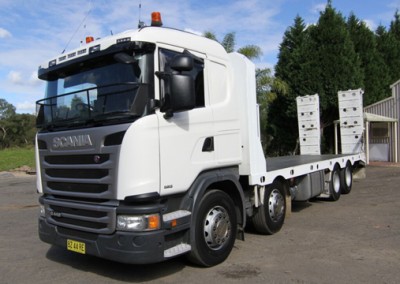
[(338, 64), (388, 45), (15, 129), (316, 59), (6, 109), (229, 43), (376, 72), (293, 68), (250, 51), (269, 88)]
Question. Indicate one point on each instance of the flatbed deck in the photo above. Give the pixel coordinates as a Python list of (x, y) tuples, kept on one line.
[(278, 163), (295, 166)]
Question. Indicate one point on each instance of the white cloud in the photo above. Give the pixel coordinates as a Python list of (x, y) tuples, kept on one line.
[(26, 107), (18, 78), (370, 24), (317, 8), (15, 77), (4, 33)]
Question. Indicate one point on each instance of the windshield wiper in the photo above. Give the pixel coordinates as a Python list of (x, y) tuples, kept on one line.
[(66, 123), (115, 115)]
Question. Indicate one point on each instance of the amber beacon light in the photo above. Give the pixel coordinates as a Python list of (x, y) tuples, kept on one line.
[(89, 39), (156, 19)]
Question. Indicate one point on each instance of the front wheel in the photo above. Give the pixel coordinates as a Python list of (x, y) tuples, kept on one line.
[(214, 231), (269, 217)]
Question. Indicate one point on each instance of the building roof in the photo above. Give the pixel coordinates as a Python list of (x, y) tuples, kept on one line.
[(377, 118)]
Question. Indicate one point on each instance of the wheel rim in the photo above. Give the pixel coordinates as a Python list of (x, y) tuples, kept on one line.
[(217, 227), (276, 205), (348, 177), (336, 181)]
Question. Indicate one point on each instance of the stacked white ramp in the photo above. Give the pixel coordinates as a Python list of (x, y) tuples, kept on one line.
[(351, 120), (309, 126)]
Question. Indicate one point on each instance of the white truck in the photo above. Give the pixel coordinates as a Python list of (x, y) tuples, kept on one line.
[(148, 147)]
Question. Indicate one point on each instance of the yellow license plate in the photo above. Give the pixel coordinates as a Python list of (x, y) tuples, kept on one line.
[(76, 246)]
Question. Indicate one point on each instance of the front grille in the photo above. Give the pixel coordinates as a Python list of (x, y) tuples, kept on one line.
[(77, 159), (80, 223), (81, 212), (85, 217), (77, 187), (79, 183), (84, 176), (77, 173)]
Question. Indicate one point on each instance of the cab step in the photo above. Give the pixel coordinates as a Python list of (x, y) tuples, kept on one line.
[(177, 250)]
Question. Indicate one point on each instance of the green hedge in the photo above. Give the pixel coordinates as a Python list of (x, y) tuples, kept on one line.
[(13, 158)]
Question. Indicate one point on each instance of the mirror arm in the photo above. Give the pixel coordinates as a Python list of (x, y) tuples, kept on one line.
[(168, 114), (162, 75), (154, 104)]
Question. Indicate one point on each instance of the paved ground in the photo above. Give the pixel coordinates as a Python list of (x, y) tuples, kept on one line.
[(353, 240)]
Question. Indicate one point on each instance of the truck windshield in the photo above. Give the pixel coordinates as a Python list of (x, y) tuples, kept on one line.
[(98, 92)]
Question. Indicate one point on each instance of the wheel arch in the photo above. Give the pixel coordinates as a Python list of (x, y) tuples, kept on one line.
[(230, 188), (226, 180), (285, 183)]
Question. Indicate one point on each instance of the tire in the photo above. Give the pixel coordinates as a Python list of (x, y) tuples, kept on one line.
[(334, 184), (269, 217), (214, 231), (346, 179)]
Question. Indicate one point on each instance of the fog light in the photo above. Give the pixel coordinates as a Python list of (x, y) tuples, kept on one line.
[(138, 223), (42, 211)]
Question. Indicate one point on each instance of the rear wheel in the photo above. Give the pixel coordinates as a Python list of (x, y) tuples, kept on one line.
[(269, 217), (334, 184), (346, 179), (214, 232)]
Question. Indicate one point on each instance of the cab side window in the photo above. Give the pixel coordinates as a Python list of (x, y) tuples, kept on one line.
[(197, 73)]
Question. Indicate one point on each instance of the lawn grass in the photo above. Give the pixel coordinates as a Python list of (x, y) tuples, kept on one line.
[(16, 157)]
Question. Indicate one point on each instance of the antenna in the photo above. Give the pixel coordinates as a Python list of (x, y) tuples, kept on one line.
[(84, 19), (140, 24)]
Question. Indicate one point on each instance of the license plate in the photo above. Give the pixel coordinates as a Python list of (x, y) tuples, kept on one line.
[(76, 246)]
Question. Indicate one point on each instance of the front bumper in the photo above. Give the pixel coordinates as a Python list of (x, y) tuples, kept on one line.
[(125, 247)]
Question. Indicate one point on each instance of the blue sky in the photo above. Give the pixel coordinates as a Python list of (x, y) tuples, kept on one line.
[(32, 32)]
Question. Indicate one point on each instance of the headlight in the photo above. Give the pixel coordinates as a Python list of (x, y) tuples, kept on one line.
[(138, 223)]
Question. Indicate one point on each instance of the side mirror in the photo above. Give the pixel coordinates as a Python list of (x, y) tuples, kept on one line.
[(182, 62), (180, 91)]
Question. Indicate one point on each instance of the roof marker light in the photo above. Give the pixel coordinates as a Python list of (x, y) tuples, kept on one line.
[(94, 49), (156, 19), (53, 63)]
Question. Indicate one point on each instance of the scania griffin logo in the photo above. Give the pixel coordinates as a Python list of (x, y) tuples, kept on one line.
[(55, 214), (72, 141)]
